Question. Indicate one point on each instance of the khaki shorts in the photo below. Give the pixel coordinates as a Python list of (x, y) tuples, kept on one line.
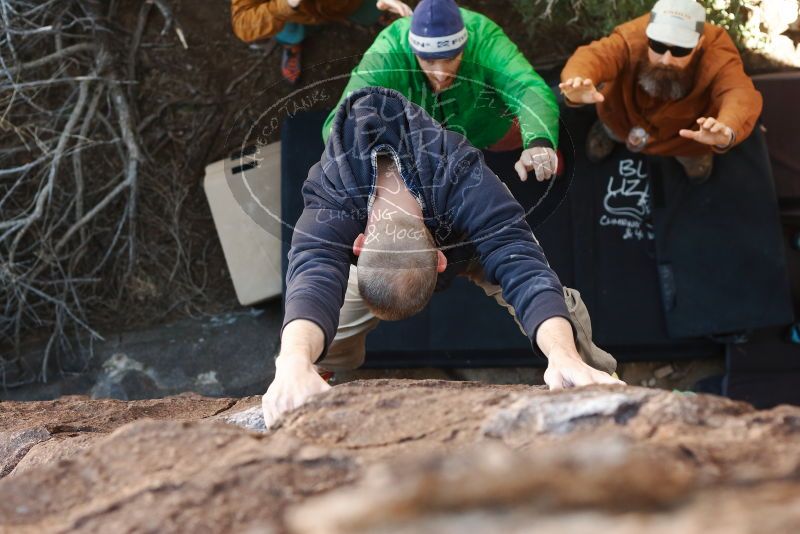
[(348, 349)]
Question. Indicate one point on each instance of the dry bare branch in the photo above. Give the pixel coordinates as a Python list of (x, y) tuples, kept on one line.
[(68, 232)]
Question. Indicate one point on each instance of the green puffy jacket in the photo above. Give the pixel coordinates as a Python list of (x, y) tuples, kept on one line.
[(495, 83)]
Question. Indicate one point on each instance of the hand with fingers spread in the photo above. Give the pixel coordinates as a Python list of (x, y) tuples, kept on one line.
[(394, 6), (579, 90), (712, 132), (543, 161), (567, 370)]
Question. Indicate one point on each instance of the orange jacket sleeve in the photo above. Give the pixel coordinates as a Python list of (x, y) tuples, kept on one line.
[(732, 90), (600, 61), (259, 19)]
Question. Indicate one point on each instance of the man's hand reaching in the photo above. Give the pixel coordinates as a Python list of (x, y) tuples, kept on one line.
[(296, 381), (567, 370), (541, 160), (580, 91), (712, 132)]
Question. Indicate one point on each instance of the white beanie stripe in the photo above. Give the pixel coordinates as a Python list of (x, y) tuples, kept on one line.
[(438, 44)]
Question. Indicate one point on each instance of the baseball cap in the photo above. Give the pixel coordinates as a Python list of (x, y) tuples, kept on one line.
[(677, 22)]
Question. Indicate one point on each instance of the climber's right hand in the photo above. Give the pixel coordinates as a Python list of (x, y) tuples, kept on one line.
[(296, 381)]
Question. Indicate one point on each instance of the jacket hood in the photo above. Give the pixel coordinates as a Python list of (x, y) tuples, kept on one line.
[(376, 120)]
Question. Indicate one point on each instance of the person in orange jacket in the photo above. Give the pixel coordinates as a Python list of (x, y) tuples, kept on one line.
[(285, 20), (667, 84)]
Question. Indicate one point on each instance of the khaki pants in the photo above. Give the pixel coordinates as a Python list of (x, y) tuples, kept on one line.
[(355, 321)]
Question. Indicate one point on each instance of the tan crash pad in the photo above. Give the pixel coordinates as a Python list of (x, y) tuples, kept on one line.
[(244, 193)]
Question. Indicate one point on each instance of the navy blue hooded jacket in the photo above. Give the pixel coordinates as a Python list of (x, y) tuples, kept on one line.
[(468, 210)]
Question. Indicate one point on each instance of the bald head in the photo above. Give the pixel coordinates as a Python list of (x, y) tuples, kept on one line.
[(397, 267), (398, 261)]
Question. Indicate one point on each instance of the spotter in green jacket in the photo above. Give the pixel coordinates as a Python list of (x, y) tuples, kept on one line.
[(494, 84)]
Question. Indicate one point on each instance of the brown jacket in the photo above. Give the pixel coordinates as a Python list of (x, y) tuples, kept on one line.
[(259, 19), (721, 89)]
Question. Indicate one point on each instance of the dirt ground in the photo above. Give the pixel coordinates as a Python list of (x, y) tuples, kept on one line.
[(202, 102)]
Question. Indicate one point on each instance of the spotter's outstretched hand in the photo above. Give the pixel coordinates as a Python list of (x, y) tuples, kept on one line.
[(712, 132), (541, 160), (579, 90)]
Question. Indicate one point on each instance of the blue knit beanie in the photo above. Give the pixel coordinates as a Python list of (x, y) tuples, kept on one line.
[(437, 30)]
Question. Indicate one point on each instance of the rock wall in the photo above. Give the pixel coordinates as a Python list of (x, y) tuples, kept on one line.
[(403, 456)]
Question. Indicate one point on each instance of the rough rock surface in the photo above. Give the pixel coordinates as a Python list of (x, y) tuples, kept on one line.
[(31, 431), (404, 456)]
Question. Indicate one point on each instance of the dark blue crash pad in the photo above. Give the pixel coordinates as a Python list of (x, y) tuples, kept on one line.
[(719, 245)]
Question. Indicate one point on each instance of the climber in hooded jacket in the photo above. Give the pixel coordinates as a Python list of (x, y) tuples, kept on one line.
[(395, 209)]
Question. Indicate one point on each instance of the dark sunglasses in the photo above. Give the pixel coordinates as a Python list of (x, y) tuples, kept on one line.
[(661, 48)]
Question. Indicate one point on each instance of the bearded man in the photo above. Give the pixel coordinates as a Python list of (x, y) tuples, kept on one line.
[(666, 84)]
